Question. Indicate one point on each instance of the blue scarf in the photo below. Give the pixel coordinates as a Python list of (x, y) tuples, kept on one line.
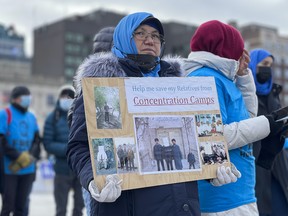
[(123, 38), (256, 56)]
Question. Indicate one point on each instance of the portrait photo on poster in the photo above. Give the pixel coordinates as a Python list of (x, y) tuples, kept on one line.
[(166, 144), (108, 113), (104, 156)]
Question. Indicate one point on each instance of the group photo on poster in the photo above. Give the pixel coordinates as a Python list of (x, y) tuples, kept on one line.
[(212, 153), (126, 155), (209, 125), (166, 144)]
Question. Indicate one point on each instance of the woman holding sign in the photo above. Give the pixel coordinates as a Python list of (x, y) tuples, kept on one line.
[(138, 47)]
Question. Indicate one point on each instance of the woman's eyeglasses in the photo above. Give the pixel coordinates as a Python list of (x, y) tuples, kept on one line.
[(143, 35)]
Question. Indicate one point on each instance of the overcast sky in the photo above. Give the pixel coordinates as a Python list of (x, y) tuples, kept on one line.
[(28, 14)]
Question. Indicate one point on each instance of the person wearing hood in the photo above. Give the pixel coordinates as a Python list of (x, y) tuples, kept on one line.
[(20, 145), (138, 47), (103, 40), (55, 139), (271, 184), (217, 50)]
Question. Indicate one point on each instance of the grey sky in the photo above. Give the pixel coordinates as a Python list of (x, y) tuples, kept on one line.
[(28, 14)]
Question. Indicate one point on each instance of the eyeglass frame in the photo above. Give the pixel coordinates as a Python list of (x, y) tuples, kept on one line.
[(161, 37)]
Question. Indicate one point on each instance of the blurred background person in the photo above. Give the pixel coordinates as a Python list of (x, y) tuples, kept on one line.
[(20, 140), (271, 184), (55, 139)]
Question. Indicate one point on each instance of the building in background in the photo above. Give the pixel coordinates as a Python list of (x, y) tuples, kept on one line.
[(177, 37), (15, 69), (260, 36), (13, 62), (60, 47)]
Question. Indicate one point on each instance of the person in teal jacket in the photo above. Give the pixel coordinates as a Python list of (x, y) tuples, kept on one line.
[(218, 51), (19, 140)]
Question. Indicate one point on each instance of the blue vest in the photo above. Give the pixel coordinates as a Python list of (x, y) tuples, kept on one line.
[(19, 135), (233, 109)]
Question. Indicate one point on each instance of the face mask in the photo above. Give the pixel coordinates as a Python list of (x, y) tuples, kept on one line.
[(144, 61), (25, 101), (264, 74), (65, 103)]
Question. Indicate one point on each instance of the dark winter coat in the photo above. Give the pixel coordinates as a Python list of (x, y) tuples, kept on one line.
[(168, 153), (55, 139), (191, 158), (266, 105), (177, 155), (170, 200), (158, 151)]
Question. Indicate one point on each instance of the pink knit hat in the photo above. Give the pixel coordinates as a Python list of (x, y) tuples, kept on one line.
[(218, 38)]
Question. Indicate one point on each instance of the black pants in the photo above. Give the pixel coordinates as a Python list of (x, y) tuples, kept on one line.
[(191, 164), (162, 164), (16, 194), (62, 186), (107, 116), (169, 164)]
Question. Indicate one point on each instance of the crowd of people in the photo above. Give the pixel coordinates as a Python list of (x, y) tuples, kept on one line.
[(248, 101)]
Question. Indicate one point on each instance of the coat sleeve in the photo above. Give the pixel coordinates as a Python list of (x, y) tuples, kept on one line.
[(8, 150), (78, 154), (238, 134), (248, 89), (51, 146)]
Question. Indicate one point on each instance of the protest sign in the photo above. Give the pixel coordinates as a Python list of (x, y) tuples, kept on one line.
[(154, 131)]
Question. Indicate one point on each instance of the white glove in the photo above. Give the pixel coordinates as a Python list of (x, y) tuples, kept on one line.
[(110, 192), (226, 175)]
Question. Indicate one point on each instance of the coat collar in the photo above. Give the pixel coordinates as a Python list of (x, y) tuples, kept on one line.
[(196, 60)]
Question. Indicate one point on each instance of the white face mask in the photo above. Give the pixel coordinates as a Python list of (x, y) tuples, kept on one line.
[(65, 103)]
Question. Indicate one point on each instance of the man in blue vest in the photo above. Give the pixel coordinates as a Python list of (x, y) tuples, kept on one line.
[(19, 138)]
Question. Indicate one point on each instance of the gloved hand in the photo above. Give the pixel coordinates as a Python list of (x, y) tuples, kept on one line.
[(275, 127), (270, 147), (226, 175), (23, 160), (110, 192)]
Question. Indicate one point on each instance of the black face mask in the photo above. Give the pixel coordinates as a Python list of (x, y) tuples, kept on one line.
[(264, 74), (145, 62)]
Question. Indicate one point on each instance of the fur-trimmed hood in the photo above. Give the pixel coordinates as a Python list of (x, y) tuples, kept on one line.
[(107, 65)]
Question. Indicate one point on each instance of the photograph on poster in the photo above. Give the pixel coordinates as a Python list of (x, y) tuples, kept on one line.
[(209, 125), (126, 155), (104, 156), (108, 113), (166, 144), (212, 153)]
